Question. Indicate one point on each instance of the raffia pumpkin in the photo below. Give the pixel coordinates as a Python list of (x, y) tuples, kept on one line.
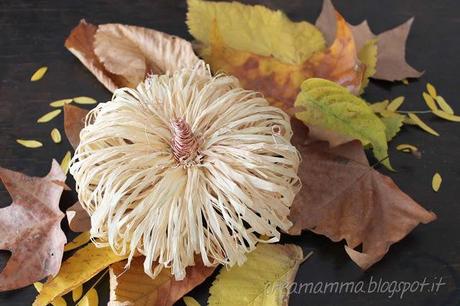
[(186, 164)]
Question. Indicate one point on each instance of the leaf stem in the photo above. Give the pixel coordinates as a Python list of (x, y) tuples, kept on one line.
[(415, 112)]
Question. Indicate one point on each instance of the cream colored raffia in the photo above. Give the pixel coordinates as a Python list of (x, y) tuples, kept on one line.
[(240, 183)]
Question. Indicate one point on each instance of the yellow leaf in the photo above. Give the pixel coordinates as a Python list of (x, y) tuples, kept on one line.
[(91, 298), (60, 103), (66, 162), (379, 107), (444, 105), (84, 100), (189, 301), (431, 90), (436, 182), (406, 148), (429, 101), (368, 56), (422, 124), (76, 270), (49, 116), (39, 74), (446, 116), (58, 301), (262, 280), (254, 29), (77, 293), (56, 135), (392, 124), (29, 143), (395, 104), (80, 240), (333, 107), (405, 82)]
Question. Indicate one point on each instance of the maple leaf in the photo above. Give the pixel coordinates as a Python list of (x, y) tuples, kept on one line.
[(343, 198), (122, 56), (74, 121), (30, 227), (134, 287), (277, 78)]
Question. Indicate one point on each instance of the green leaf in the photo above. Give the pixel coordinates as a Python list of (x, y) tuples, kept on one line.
[(392, 124), (263, 280), (331, 106)]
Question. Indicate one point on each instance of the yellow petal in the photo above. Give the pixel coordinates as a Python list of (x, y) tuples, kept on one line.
[(189, 301), (66, 162), (77, 293), (84, 100), (444, 105), (422, 124), (406, 148), (60, 103), (29, 143), (91, 298), (446, 116), (49, 116), (431, 90), (56, 135), (436, 182), (429, 101), (80, 240), (395, 104), (39, 74)]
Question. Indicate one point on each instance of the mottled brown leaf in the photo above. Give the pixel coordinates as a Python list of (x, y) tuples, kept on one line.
[(78, 218), (30, 227), (74, 121)]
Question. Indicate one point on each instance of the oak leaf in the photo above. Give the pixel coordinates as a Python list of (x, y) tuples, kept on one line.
[(30, 227), (345, 199), (134, 287)]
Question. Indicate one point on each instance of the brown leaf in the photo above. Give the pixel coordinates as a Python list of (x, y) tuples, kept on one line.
[(30, 227), (121, 55), (134, 287), (78, 218), (74, 121), (363, 206)]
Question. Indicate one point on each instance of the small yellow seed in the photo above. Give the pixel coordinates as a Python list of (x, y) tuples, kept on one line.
[(431, 90), (444, 105), (422, 124), (29, 143), (395, 104), (429, 101), (38, 74), (446, 116), (56, 135), (49, 116), (84, 100), (66, 162), (406, 148), (405, 82), (60, 103), (436, 181)]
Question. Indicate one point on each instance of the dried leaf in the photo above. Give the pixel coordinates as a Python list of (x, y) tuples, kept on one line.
[(71, 275), (163, 290), (30, 227), (78, 218), (446, 116), (56, 135), (429, 101), (330, 106), (79, 241), (422, 124), (29, 143), (395, 104), (431, 90), (66, 162), (73, 123), (280, 81), (190, 301), (77, 293), (257, 282), (91, 298), (59, 301), (49, 116), (444, 105), (38, 75), (364, 207), (60, 103), (436, 182), (84, 100)]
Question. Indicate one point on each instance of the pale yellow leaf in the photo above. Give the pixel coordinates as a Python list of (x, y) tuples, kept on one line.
[(368, 56), (29, 143), (395, 104), (60, 103), (76, 270), (422, 124), (49, 116), (431, 90), (436, 182), (261, 281), (80, 240), (405, 82), (66, 162), (91, 298), (56, 135), (444, 105), (84, 100), (39, 74), (446, 116), (189, 301), (429, 101), (77, 293)]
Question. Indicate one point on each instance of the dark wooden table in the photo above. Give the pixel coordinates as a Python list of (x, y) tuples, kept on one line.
[(33, 34)]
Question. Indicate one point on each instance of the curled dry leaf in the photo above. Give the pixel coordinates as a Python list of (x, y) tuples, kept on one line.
[(364, 207), (78, 218), (163, 290), (121, 55), (74, 121), (30, 227)]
